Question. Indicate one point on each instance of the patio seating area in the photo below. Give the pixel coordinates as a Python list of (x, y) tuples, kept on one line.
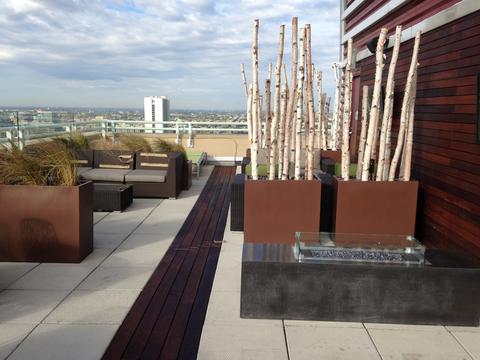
[(49, 310)]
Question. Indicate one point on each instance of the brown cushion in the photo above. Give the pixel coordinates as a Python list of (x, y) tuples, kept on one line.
[(140, 175)]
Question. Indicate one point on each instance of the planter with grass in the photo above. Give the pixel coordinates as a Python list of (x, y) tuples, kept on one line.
[(45, 216)]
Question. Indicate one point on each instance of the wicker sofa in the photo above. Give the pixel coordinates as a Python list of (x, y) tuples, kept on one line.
[(151, 174), (157, 175)]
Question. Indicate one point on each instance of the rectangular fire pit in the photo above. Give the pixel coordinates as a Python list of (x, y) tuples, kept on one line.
[(281, 281)]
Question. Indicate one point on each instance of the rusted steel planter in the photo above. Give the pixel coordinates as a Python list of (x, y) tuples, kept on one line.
[(275, 210), (375, 207), (187, 174), (46, 223), (335, 155)]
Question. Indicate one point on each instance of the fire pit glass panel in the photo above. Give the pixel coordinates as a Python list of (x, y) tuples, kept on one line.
[(326, 246)]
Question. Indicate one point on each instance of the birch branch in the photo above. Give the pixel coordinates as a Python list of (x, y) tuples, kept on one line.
[(388, 140), (298, 125), (244, 79), (363, 132), (276, 106), (347, 113), (311, 108), (407, 166), (291, 102), (388, 103), (336, 106), (268, 114), (375, 103), (325, 122), (405, 110), (254, 147), (283, 120), (320, 112)]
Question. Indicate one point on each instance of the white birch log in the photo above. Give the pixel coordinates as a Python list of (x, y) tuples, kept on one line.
[(388, 141), (276, 106), (298, 125), (407, 165), (320, 112), (388, 103), (283, 120), (347, 113), (311, 107), (268, 114), (405, 109), (254, 147), (326, 122), (244, 79), (249, 120), (375, 103), (283, 116), (259, 119), (336, 106), (249, 113), (289, 138), (363, 132)]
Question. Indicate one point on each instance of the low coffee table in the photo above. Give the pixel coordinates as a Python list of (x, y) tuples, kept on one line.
[(112, 197)]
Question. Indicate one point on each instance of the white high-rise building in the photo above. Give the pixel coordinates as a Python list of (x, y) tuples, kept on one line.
[(157, 110)]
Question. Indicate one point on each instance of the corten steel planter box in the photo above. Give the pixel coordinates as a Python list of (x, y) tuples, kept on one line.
[(375, 207), (335, 155), (275, 210), (46, 223)]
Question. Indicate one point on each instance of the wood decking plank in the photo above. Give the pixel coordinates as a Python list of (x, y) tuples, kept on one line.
[(164, 308)]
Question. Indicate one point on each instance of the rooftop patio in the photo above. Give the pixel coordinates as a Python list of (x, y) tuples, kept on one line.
[(146, 287)]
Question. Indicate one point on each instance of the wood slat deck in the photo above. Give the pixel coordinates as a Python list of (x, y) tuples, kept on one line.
[(167, 318)]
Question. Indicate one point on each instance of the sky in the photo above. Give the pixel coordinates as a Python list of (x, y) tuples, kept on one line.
[(112, 53)]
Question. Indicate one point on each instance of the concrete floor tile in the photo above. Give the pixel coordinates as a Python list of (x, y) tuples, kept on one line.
[(139, 256), (463, 328), (107, 241), (11, 272), (435, 344), (52, 277), (470, 340), (28, 306), (94, 307), (96, 257), (117, 278), (329, 324), (403, 327), (58, 342), (312, 342), (11, 335), (224, 309), (220, 342), (99, 215), (227, 279), (137, 240)]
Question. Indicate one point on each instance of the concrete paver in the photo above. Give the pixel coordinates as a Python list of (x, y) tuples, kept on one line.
[(59, 342)]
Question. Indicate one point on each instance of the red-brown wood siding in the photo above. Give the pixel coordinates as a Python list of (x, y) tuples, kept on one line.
[(446, 155), (411, 13)]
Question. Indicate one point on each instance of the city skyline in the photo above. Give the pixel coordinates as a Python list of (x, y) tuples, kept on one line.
[(112, 53)]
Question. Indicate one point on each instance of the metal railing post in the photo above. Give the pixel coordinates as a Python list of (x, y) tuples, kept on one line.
[(177, 131), (190, 135), (21, 138), (114, 129)]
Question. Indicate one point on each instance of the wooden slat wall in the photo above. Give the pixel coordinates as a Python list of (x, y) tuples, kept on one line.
[(446, 153), (410, 13)]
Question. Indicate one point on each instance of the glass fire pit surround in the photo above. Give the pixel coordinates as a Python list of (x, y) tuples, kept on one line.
[(324, 246)]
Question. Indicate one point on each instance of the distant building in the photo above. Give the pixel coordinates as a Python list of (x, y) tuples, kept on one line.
[(47, 117), (157, 111)]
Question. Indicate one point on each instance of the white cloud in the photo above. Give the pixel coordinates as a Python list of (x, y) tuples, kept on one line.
[(112, 52)]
